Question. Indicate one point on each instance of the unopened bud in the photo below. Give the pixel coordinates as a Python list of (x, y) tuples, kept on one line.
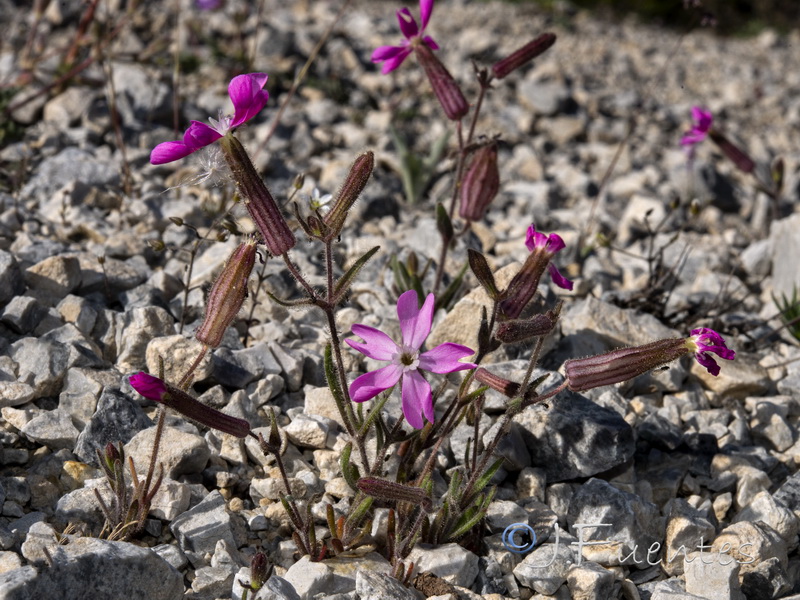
[(738, 156), (497, 383), (481, 184), (227, 295), (443, 84), (259, 571), (277, 236), (623, 364), (511, 332), (384, 489), (522, 56), (157, 245), (157, 390), (299, 181), (351, 190)]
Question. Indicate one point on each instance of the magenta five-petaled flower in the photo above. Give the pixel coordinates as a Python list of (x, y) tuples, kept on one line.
[(550, 244), (393, 56), (702, 125), (406, 360), (705, 340), (148, 386), (248, 97)]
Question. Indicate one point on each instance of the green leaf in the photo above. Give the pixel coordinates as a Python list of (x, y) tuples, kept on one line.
[(346, 280), (447, 298), (290, 303), (443, 223), (481, 270), (349, 470), (484, 479)]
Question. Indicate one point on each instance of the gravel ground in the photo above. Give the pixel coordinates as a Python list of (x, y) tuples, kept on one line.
[(95, 243)]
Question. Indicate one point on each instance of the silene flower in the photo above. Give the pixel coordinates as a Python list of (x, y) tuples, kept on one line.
[(522, 288), (393, 56), (705, 340), (248, 97), (702, 125), (406, 360)]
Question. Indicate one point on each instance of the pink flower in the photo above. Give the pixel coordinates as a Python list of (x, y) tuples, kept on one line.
[(248, 99), (702, 125), (148, 386), (706, 340), (405, 359), (393, 56), (549, 244)]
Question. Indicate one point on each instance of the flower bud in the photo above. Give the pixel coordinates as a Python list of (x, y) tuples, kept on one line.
[(259, 569), (738, 156), (623, 364), (155, 389), (278, 238), (497, 383), (443, 84), (351, 190), (227, 295), (523, 55), (511, 332), (481, 184), (384, 489)]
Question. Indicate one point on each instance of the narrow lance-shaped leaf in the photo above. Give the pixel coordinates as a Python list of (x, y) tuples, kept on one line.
[(480, 268), (346, 280)]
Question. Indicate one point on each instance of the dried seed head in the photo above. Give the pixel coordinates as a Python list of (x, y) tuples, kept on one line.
[(227, 295), (277, 236), (443, 84), (481, 183), (623, 364), (523, 55), (351, 189), (511, 332)]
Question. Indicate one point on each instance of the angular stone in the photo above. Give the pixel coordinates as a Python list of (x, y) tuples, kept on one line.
[(750, 544), (451, 562), (138, 327), (22, 314), (177, 352), (179, 452), (54, 277), (92, 568), (42, 365), (546, 567), (11, 276), (574, 437), (687, 529), (308, 432), (53, 429), (117, 419), (78, 311), (590, 581), (198, 529), (627, 526), (379, 586)]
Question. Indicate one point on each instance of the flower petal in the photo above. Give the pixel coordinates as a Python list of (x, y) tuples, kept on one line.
[(554, 243), (386, 52), (247, 96), (197, 136), (367, 386), (430, 43), (148, 386), (169, 152), (558, 278), (425, 10), (534, 239), (445, 358), (417, 399), (415, 323), (708, 362), (392, 63), (376, 344), (408, 25)]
